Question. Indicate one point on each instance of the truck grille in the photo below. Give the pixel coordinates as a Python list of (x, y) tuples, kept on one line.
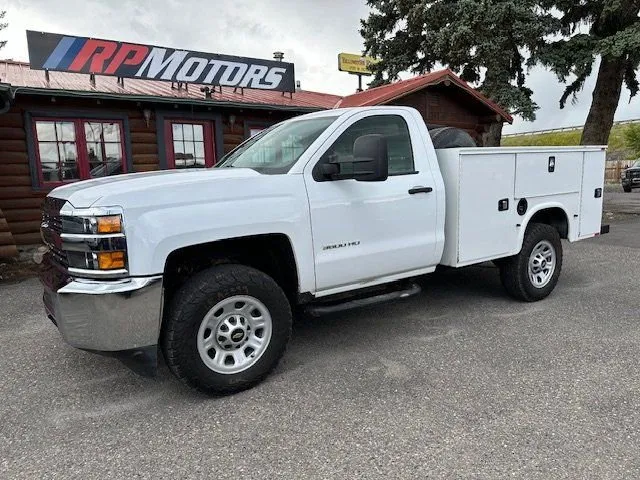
[(59, 257), (52, 222), (51, 228)]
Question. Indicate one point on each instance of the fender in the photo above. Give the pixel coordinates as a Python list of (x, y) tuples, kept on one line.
[(301, 274), (538, 208)]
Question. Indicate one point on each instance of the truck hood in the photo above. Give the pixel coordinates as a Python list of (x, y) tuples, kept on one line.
[(90, 192)]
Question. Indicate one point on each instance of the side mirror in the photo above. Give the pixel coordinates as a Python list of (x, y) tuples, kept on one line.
[(370, 161)]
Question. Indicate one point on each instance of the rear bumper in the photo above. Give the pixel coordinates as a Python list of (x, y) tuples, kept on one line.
[(103, 316)]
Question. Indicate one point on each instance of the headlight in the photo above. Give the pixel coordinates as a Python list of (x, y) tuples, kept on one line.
[(111, 260), (109, 224), (92, 224), (90, 241), (623, 175)]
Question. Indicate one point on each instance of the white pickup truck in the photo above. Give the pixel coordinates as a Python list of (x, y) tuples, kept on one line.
[(322, 212)]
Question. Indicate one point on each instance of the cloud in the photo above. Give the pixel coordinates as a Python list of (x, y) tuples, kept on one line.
[(311, 33)]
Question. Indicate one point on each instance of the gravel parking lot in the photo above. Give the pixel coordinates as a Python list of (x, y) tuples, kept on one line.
[(458, 382)]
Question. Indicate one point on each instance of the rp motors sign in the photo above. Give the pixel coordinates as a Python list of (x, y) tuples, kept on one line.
[(65, 53)]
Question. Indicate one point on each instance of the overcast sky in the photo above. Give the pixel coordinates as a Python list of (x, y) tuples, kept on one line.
[(311, 33)]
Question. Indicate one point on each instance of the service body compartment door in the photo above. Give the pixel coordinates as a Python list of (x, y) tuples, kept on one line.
[(540, 173), (487, 227), (592, 192)]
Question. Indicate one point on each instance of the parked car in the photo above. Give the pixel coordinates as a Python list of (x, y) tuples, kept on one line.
[(208, 265), (630, 177)]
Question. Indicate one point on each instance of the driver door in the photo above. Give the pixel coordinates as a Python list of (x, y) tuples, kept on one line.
[(370, 232)]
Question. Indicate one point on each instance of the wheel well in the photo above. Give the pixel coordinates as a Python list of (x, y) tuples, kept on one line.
[(556, 217), (271, 254)]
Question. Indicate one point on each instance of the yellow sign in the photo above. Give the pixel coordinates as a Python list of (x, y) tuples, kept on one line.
[(352, 63)]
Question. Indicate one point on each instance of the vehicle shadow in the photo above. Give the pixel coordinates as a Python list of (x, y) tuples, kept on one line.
[(442, 305), (438, 309)]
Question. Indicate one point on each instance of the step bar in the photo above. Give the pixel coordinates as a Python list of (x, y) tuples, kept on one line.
[(319, 309)]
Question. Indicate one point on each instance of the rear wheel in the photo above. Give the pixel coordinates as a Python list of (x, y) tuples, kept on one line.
[(533, 273), (226, 329)]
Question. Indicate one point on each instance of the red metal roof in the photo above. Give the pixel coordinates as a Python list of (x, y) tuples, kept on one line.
[(387, 93), (18, 74)]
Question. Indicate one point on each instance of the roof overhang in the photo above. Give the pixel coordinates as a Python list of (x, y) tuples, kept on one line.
[(155, 99), (388, 93)]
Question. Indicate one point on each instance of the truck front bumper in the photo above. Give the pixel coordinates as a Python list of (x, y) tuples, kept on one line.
[(631, 182), (108, 316)]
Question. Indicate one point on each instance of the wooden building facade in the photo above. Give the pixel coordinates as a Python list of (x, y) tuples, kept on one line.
[(71, 127), (442, 98)]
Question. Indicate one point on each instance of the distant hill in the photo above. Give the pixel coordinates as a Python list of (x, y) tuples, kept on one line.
[(617, 148)]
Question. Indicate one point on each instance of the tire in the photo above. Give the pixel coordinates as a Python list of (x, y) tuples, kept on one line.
[(627, 189), (541, 243), (450, 137), (201, 336)]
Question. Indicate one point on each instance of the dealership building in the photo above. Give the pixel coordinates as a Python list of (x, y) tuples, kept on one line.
[(59, 126)]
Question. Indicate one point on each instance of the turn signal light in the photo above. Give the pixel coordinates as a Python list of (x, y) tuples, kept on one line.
[(110, 260), (109, 224)]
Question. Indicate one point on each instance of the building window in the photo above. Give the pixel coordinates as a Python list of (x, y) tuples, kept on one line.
[(104, 148), (78, 149), (254, 128), (189, 144)]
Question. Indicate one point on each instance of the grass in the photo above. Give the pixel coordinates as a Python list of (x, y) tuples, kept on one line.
[(617, 146)]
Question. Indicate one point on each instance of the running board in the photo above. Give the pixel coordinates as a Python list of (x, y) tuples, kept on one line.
[(318, 310)]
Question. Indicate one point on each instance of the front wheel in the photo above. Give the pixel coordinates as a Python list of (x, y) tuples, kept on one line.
[(226, 329), (626, 189), (533, 273)]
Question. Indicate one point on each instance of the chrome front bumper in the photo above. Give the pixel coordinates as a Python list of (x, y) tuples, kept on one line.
[(103, 315)]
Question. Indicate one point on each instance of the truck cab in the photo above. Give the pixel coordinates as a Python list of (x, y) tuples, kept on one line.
[(322, 212)]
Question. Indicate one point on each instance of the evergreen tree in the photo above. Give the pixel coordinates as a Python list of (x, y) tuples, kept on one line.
[(609, 29), (485, 42), (3, 25)]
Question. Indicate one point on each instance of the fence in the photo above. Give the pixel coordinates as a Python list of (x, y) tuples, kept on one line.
[(614, 168), (565, 129)]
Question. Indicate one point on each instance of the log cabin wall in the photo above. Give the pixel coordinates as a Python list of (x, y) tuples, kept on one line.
[(449, 106), (19, 202), (21, 196), (7, 243)]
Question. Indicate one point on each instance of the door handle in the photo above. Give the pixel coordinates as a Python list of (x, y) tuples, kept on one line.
[(415, 190)]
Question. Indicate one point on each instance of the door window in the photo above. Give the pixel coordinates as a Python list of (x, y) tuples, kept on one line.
[(395, 130)]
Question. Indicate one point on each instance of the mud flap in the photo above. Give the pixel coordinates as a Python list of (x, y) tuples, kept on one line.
[(143, 360)]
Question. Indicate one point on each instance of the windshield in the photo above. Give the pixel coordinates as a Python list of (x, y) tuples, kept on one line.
[(636, 164), (278, 148)]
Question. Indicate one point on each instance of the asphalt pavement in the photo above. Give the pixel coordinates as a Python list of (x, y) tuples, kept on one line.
[(615, 200), (459, 382)]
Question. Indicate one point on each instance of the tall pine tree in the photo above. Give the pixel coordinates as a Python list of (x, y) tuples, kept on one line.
[(485, 42), (609, 29), (3, 25)]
